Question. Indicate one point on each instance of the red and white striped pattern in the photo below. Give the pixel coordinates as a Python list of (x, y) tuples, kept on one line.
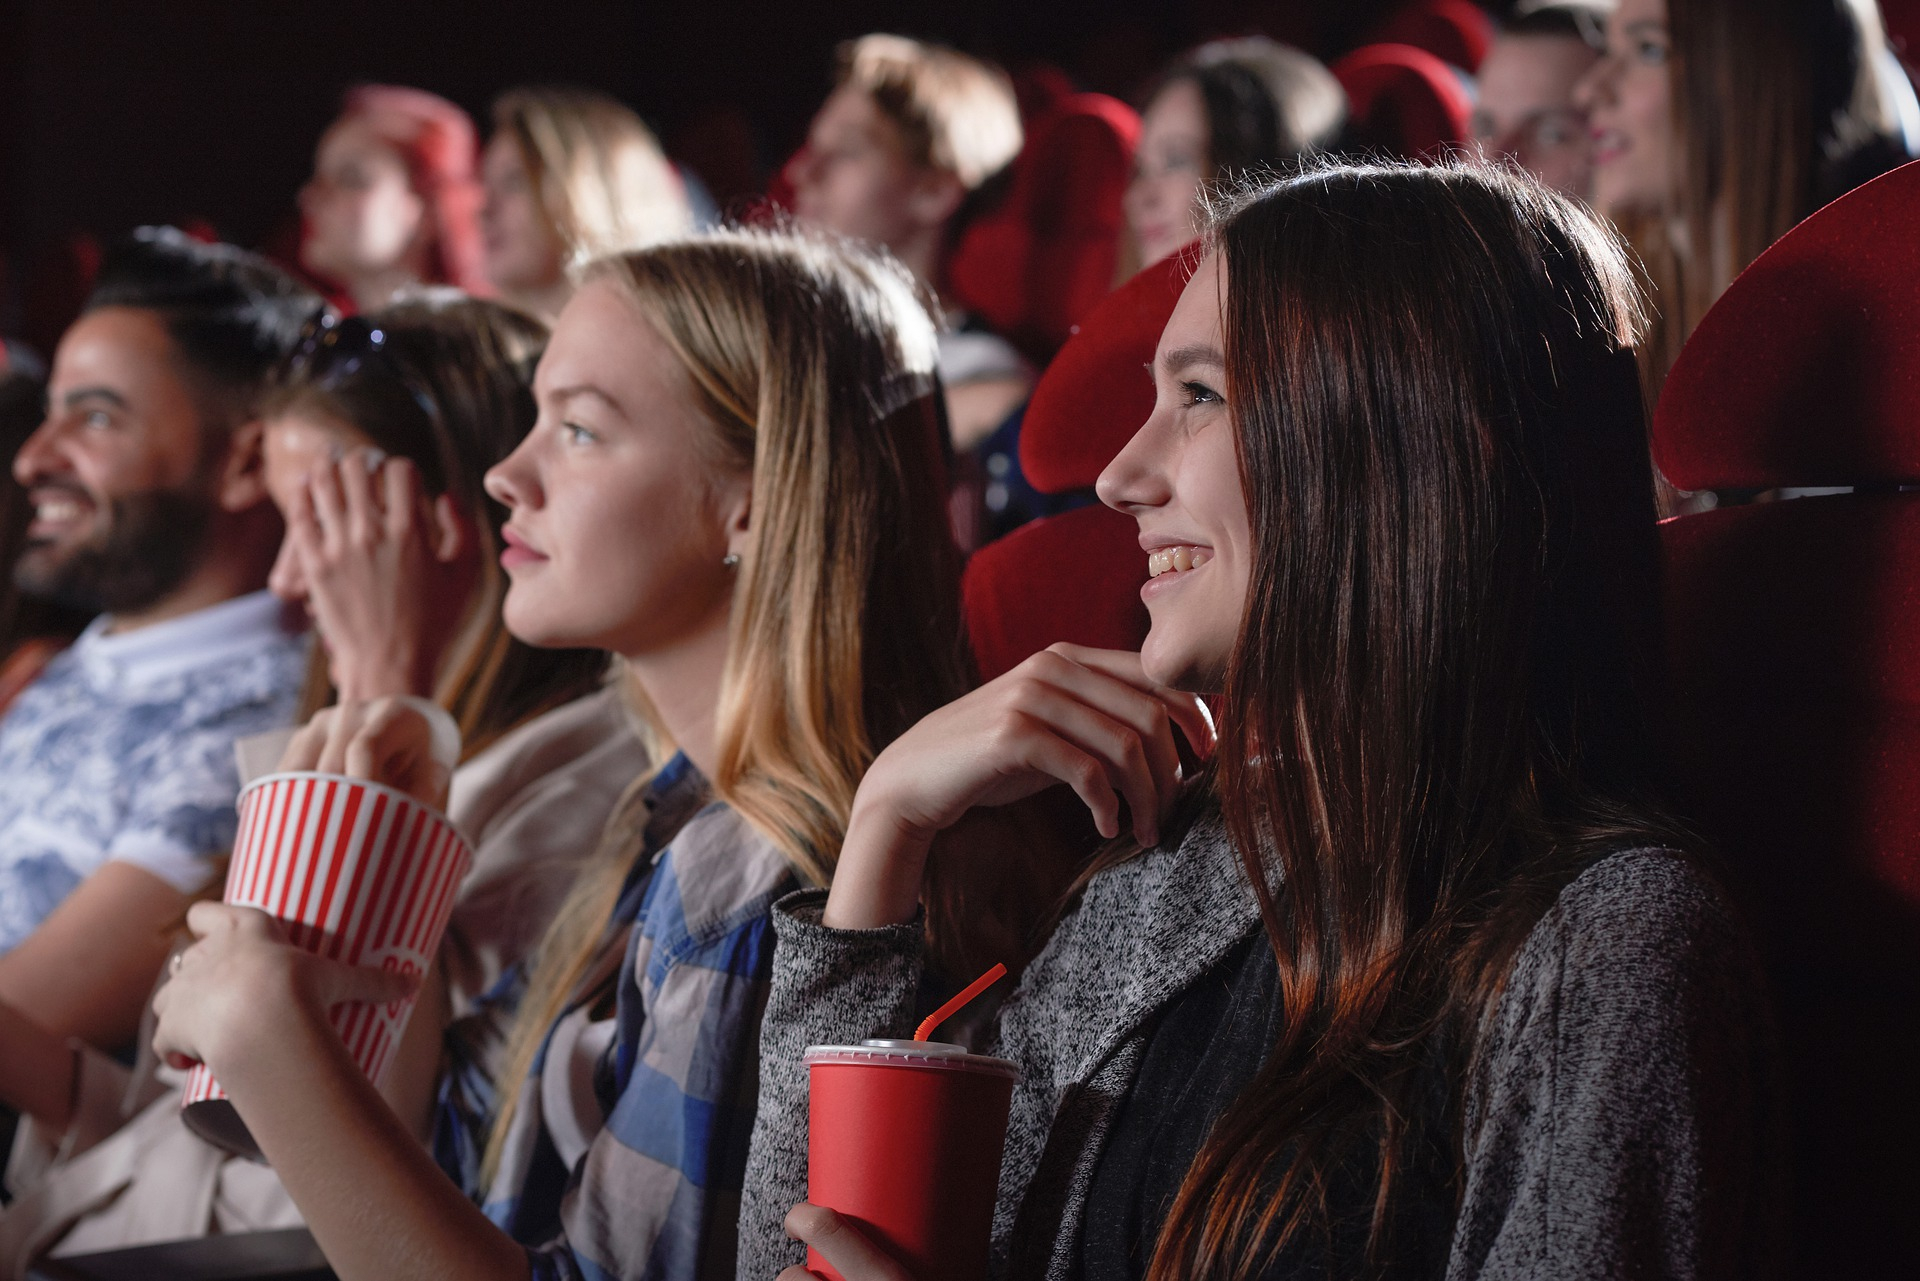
[(356, 872)]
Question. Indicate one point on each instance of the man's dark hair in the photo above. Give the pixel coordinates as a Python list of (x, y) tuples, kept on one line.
[(233, 315)]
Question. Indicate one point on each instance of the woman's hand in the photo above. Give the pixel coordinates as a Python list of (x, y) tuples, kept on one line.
[(853, 1256), (242, 990), (386, 741), (384, 579), (1088, 718)]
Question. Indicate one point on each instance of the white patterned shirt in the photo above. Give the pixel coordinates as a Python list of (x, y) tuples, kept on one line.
[(123, 749)]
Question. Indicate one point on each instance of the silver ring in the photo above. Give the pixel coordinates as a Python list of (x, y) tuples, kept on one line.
[(173, 966)]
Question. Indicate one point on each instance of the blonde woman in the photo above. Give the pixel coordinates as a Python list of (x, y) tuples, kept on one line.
[(736, 483), (570, 175), (375, 445)]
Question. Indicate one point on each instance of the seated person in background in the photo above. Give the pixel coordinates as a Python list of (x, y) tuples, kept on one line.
[(117, 774), (394, 199), (910, 135), (570, 175), (1718, 125), (1525, 110), (711, 491), (1413, 980), (32, 628), (1227, 110), (399, 433)]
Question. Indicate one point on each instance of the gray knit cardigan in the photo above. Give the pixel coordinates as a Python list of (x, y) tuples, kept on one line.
[(1621, 1120)]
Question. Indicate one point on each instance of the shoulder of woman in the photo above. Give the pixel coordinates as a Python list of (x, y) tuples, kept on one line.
[(718, 873), (558, 748), (1643, 936)]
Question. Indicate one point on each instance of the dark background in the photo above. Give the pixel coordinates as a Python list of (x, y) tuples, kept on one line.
[(115, 113)]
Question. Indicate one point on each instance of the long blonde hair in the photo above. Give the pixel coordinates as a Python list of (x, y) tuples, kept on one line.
[(813, 362), (602, 179)]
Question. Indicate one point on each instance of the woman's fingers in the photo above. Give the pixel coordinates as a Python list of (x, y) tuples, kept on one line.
[(1119, 753), (309, 742), (329, 509), (336, 983), (1146, 715), (841, 1244), (1189, 711), (366, 518), (402, 497)]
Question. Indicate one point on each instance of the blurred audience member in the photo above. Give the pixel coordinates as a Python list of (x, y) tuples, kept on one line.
[(1719, 124), (1526, 111), (32, 629), (402, 427), (1225, 110), (570, 175), (394, 199), (905, 145), (117, 779)]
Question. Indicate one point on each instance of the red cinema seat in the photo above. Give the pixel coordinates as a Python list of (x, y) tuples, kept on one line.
[(1076, 576), (1046, 254), (1404, 101), (1793, 650), (1457, 32)]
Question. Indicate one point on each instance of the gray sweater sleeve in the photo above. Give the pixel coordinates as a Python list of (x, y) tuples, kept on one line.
[(1620, 1121), (830, 987)]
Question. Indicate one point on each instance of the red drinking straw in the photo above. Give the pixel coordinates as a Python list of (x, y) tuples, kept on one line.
[(952, 1007)]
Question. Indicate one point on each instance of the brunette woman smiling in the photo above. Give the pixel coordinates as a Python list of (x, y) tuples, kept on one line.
[(1414, 981)]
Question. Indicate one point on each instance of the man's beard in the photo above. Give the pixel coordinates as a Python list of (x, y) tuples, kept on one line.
[(149, 545)]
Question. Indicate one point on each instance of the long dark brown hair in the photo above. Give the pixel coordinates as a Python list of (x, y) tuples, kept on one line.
[(1776, 110), (1429, 721)]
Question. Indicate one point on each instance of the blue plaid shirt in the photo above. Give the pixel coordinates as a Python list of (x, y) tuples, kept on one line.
[(630, 1137)]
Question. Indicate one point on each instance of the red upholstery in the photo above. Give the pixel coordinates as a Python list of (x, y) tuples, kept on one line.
[(1793, 643), (1037, 262), (1808, 370), (1076, 576), (1405, 101), (1072, 577), (1096, 393), (1454, 31)]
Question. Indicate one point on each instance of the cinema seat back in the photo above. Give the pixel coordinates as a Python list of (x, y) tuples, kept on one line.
[(1793, 653), (1046, 254), (1404, 101), (1076, 576), (1457, 32)]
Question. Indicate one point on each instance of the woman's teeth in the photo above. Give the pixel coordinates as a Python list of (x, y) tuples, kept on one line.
[(1175, 560)]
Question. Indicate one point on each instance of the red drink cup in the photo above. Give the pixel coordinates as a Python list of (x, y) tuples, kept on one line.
[(904, 1139), (356, 871)]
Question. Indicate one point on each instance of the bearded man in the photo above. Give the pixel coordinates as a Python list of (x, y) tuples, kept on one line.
[(117, 774)]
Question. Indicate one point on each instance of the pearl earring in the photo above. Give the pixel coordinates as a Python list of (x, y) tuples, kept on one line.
[(731, 560)]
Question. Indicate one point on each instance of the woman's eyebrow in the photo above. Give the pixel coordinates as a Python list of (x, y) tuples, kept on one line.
[(1196, 354), (561, 395)]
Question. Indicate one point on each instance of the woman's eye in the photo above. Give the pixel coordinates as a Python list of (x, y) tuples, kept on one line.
[(97, 420), (576, 434), (1198, 394), (1651, 52)]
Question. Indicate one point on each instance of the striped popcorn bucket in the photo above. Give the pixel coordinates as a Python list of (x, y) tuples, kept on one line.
[(356, 872)]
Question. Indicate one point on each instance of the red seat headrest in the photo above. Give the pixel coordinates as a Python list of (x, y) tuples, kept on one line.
[(1807, 370), (1404, 100), (1039, 260), (1454, 31), (1096, 393)]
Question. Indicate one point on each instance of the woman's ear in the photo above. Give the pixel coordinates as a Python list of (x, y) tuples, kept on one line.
[(450, 533), (243, 475), (736, 506)]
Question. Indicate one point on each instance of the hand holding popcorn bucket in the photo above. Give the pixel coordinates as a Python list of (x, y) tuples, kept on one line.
[(356, 871)]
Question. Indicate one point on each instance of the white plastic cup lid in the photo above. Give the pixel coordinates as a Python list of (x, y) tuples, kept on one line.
[(922, 1054)]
